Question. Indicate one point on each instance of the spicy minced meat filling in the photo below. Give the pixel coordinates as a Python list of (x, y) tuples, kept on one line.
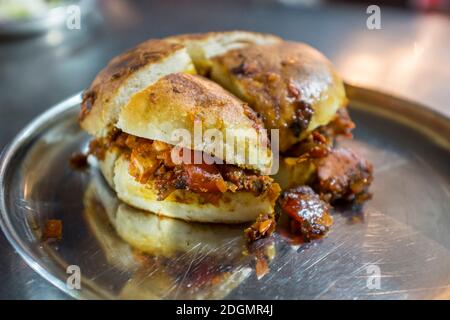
[(151, 161)]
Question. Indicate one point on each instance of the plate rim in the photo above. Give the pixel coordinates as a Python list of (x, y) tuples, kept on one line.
[(7, 154), (25, 135)]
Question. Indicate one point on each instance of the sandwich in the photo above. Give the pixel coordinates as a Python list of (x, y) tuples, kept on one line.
[(279, 103)]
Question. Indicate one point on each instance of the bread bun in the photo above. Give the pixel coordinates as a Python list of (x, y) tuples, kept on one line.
[(291, 85), (157, 88), (125, 75), (292, 173), (143, 65)]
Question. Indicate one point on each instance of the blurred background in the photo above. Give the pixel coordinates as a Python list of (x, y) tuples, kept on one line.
[(50, 50)]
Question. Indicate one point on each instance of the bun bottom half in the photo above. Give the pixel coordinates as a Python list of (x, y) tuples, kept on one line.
[(231, 208)]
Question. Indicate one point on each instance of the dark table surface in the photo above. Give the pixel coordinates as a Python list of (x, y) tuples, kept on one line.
[(408, 57)]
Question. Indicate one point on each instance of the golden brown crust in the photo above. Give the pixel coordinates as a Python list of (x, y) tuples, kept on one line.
[(99, 97), (284, 82), (204, 100), (121, 67), (194, 93)]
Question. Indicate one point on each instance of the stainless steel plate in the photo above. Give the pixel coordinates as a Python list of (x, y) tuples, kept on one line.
[(398, 247)]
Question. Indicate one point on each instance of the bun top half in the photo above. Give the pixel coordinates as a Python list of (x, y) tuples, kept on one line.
[(143, 65), (125, 75), (292, 85)]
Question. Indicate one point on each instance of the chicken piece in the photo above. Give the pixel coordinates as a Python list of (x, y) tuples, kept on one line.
[(310, 215), (343, 175), (263, 227), (53, 230)]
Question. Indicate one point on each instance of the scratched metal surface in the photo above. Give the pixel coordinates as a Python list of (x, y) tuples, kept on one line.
[(402, 232)]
